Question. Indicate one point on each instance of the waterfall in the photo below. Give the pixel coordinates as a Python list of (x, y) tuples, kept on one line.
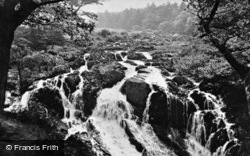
[(205, 132), (113, 126)]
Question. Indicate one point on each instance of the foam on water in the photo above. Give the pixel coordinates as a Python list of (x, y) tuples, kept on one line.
[(147, 55), (113, 114)]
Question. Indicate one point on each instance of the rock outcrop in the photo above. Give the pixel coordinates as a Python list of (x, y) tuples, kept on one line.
[(136, 90)]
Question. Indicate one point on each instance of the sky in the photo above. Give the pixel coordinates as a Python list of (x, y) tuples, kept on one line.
[(120, 5)]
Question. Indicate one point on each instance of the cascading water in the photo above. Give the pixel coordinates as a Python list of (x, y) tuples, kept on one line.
[(115, 124), (205, 126)]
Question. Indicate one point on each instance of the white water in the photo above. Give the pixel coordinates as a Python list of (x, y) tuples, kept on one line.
[(147, 55), (113, 110), (198, 131)]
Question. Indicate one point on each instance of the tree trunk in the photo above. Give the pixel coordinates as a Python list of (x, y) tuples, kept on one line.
[(241, 69), (6, 38)]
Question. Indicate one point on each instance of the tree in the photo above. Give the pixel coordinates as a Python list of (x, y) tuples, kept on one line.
[(166, 26), (181, 22), (225, 23), (12, 14)]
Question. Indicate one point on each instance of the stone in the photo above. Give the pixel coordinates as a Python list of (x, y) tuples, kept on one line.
[(200, 100), (183, 81), (140, 67), (220, 138), (137, 90), (60, 69), (111, 74), (136, 56)]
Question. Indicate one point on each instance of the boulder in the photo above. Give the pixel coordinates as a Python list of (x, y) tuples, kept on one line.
[(201, 100), (110, 73), (78, 62), (183, 81), (219, 139), (60, 69), (137, 90), (166, 110), (118, 57), (136, 56), (101, 76), (158, 110), (140, 67), (142, 48), (69, 55), (48, 98), (71, 83)]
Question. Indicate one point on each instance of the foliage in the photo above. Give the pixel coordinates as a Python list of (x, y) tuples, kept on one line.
[(66, 15), (166, 26), (104, 33), (226, 24), (199, 60), (38, 39), (136, 28), (152, 17)]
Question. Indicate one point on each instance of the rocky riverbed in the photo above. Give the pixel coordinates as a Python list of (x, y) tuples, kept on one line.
[(122, 102)]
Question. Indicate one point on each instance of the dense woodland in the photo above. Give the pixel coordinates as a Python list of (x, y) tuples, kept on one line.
[(169, 18)]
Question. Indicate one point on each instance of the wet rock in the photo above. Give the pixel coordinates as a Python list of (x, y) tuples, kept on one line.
[(101, 76), (143, 71), (183, 81), (118, 57), (77, 145), (191, 108), (111, 74), (144, 48), (232, 92), (166, 110), (158, 110), (200, 99), (136, 56), (131, 62), (78, 62), (139, 147), (173, 87), (170, 69), (50, 99), (90, 94), (148, 64), (156, 64), (235, 150), (137, 90), (60, 69), (210, 126), (124, 54), (220, 138), (140, 67), (176, 143), (72, 81), (165, 72)]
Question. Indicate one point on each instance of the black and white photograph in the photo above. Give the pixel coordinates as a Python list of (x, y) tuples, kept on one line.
[(124, 77)]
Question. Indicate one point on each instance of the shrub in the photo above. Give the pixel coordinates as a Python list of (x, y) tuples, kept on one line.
[(104, 33)]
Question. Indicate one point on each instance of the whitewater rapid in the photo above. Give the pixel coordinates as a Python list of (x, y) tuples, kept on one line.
[(114, 115)]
